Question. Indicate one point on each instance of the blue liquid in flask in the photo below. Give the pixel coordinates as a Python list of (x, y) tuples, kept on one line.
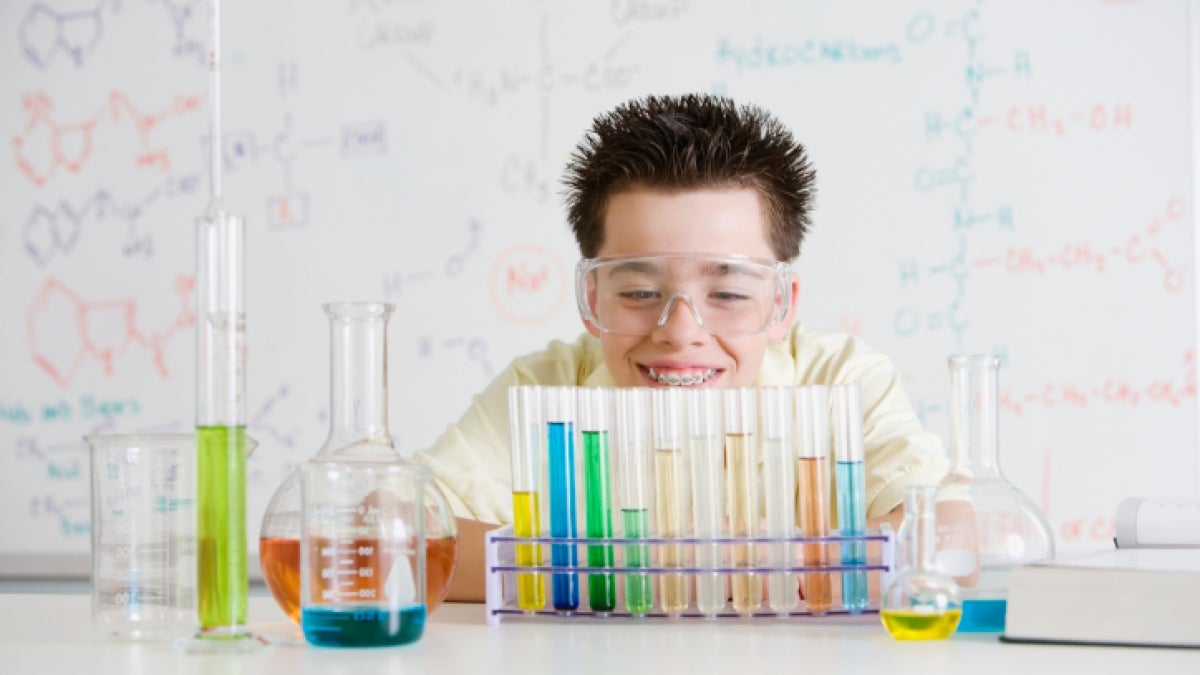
[(362, 626)]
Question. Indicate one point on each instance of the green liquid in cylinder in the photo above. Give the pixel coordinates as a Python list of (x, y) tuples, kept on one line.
[(222, 583), (639, 589), (602, 588)]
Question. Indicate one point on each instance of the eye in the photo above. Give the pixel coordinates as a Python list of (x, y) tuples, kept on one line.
[(728, 297), (639, 296)]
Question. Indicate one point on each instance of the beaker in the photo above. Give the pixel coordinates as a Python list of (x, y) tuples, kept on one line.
[(362, 553), (920, 603), (358, 429), (988, 525), (144, 535)]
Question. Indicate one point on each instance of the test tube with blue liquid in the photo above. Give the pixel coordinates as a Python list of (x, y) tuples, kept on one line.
[(812, 479), (672, 501), (560, 444), (851, 492), (631, 445), (595, 410), (741, 457), (707, 460), (525, 433), (779, 493)]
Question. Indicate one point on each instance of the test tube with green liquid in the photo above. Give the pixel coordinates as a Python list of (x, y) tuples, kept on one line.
[(631, 445), (671, 499), (812, 479), (741, 457), (595, 408), (525, 429), (779, 493), (706, 456), (851, 491)]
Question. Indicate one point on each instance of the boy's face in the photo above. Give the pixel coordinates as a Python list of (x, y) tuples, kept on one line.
[(649, 222)]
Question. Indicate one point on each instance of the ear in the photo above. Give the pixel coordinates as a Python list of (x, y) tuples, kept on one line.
[(781, 329), (591, 328)]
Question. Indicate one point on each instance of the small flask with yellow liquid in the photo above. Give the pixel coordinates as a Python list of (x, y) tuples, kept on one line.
[(920, 603)]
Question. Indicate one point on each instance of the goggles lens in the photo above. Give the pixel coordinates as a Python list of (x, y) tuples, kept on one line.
[(728, 296)]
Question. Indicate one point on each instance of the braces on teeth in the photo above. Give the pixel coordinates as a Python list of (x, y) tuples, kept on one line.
[(675, 380)]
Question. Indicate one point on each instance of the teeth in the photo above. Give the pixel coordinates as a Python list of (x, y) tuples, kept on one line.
[(676, 380)]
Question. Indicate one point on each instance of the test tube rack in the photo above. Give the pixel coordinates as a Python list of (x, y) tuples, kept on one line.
[(502, 570)]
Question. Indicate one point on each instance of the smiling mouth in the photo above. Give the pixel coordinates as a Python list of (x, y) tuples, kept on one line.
[(690, 378)]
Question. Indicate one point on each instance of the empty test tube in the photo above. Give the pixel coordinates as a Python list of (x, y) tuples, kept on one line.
[(560, 429), (851, 493), (779, 492), (635, 483), (594, 422), (741, 456), (706, 455), (525, 434), (672, 500), (812, 478)]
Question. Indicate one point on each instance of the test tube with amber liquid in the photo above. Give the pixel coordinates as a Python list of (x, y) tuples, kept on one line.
[(706, 457), (779, 493), (635, 483), (812, 480), (525, 434), (741, 470), (671, 498)]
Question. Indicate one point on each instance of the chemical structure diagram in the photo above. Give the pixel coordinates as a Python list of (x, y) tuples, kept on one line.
[(51, 231), (397, 281), (65, 331), (44, 145), (44, 32)]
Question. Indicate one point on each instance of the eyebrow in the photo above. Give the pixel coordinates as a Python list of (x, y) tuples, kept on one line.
[(722, 268)]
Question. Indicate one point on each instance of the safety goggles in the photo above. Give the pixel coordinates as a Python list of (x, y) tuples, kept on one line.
[(728, 296)]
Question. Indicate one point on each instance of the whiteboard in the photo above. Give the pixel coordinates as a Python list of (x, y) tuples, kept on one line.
[(1014, 177)]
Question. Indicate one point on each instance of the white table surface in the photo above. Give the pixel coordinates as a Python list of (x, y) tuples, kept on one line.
[(53, 634)]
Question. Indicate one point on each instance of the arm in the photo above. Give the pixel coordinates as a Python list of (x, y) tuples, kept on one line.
[(467, 584)]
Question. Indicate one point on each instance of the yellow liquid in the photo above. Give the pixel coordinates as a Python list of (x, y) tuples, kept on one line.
[(910, 625), (527, 522), (743, 487), (813, 517), (671, 498)]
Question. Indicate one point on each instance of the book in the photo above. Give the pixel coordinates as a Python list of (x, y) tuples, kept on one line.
[(1147, 597)]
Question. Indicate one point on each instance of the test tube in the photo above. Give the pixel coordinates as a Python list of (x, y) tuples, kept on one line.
[(741, 456), (707, 458), (525, 434), (779, 493), (672, 500), (851, 493), (812, 477), (632, 449), (594, 421), (560, 434)]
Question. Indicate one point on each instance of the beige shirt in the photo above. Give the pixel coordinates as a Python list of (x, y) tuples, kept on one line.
[(471, 459)]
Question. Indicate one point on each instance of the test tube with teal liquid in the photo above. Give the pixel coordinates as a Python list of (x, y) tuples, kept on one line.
[(706, 450), (812, 481), (560, 444), (595, 410), (851, 492), (671, 499), (779, 493), (525, 433), (741, 457), (631, 445)]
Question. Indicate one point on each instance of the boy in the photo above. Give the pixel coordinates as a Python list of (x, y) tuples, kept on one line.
[(687, 211)]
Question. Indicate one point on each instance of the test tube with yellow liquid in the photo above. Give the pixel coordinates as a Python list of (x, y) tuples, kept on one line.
[(672, 499), (525, 433), (706, 452), (779, 494), (635, 483), (741, 457), (812, 479)]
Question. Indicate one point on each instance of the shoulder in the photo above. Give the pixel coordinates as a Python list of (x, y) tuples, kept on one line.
[(560, 363), (831, 358)]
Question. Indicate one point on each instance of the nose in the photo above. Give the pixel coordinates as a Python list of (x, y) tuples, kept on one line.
[(680, 322)]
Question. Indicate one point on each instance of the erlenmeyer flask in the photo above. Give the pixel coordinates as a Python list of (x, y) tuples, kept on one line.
[(358, 430), (1009, 529)]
